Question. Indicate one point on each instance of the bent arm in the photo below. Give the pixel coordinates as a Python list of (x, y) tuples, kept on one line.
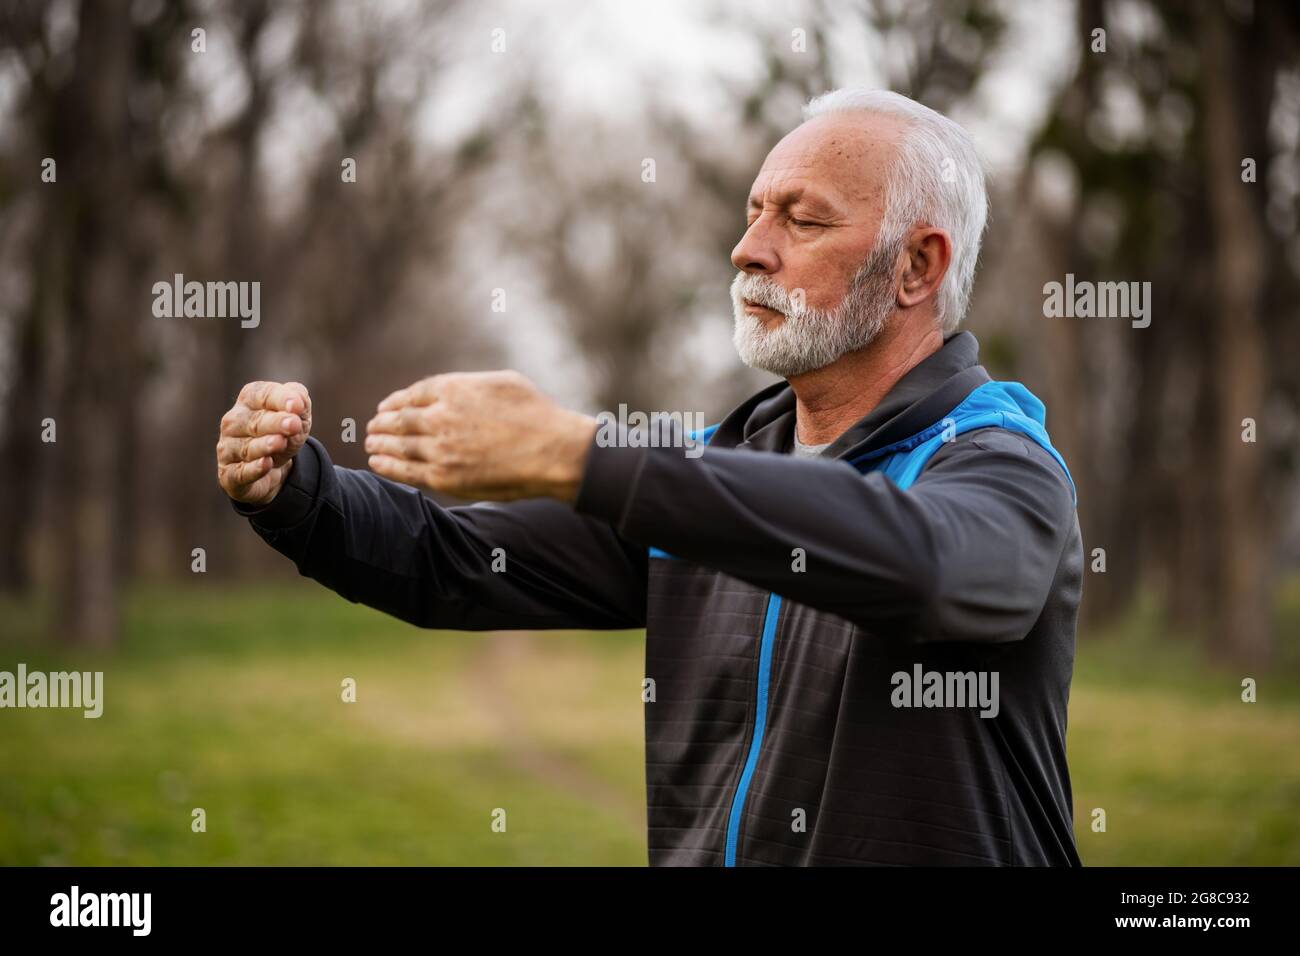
[(528, 564), (968, 553)]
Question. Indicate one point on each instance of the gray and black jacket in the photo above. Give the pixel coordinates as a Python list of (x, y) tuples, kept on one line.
[(863, 658)]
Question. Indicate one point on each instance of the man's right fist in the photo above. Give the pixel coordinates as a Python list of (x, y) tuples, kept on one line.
[(269, 423)]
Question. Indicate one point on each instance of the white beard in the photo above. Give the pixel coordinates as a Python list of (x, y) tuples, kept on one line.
[(809, 339)]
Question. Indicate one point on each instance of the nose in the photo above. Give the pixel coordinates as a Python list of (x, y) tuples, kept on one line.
[(755, 253)]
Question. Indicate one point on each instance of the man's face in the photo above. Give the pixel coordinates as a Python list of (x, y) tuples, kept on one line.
[(814, 283)]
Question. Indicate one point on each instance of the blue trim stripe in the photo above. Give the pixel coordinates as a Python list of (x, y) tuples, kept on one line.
[(760, 725), (706, 434)]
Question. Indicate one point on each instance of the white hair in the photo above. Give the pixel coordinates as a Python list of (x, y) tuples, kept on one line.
[(936, 179)]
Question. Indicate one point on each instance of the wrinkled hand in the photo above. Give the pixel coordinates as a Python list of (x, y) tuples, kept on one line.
[(480, 435), (261, 433)]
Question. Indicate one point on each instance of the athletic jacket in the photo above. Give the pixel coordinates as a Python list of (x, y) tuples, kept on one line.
[(823, 636)]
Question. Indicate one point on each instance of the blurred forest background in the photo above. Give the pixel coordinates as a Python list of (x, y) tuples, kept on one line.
[(499, 151)]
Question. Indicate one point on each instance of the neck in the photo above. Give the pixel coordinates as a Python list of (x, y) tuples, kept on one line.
[(831, 399)]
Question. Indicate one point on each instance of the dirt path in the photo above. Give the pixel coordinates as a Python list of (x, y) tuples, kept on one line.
[(502, 652)]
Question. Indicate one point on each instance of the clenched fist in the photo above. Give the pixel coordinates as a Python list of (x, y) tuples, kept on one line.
[(490, 435), (267, 426)]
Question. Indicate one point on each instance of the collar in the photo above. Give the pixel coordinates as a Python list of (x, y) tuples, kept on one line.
[(927, 392)]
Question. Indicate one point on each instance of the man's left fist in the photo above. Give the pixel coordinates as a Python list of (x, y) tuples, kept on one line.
[(480, 435)]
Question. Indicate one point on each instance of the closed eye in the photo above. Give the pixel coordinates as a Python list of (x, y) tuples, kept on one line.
[(803, 222)]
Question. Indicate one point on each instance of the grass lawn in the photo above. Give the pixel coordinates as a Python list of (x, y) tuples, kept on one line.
[(1187, 773), (229, 700)]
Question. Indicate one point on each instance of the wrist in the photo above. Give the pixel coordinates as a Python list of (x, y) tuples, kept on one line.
[(572, 447), (298, 492)]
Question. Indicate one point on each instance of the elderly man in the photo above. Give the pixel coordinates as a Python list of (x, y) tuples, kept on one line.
[(859, 602)]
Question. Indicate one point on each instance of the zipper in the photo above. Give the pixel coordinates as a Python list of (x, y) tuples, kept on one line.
[(760, 725)]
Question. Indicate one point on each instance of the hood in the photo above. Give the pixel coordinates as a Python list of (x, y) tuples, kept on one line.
[(1007, 405)]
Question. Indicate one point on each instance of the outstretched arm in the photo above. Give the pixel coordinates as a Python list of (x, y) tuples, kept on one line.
[(529, 564), (968, 553)]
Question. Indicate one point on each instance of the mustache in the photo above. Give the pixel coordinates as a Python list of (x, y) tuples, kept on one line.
[(765, 291)]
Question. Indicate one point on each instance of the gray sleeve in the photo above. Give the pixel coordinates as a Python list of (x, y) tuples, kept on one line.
[(527, 564), (968, 553)]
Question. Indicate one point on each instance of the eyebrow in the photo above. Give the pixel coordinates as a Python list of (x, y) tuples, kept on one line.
[(791, 197)]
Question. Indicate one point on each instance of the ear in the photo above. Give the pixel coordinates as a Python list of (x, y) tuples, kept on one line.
[(929, 252)]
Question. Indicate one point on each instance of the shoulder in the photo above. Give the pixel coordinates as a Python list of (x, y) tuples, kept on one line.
[(1003, 455)]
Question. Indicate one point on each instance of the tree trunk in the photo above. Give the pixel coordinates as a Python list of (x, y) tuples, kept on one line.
[(93, 130), (1241, 613)]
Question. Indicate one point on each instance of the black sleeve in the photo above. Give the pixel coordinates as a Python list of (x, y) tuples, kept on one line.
[(384, 544), (968, 553)]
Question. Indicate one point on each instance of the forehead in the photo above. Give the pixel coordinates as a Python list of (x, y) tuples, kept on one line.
[(843, 158)]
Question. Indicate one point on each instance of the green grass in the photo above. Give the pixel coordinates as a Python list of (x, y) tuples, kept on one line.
[(232, 703), (1188, 774), (229, 700)]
